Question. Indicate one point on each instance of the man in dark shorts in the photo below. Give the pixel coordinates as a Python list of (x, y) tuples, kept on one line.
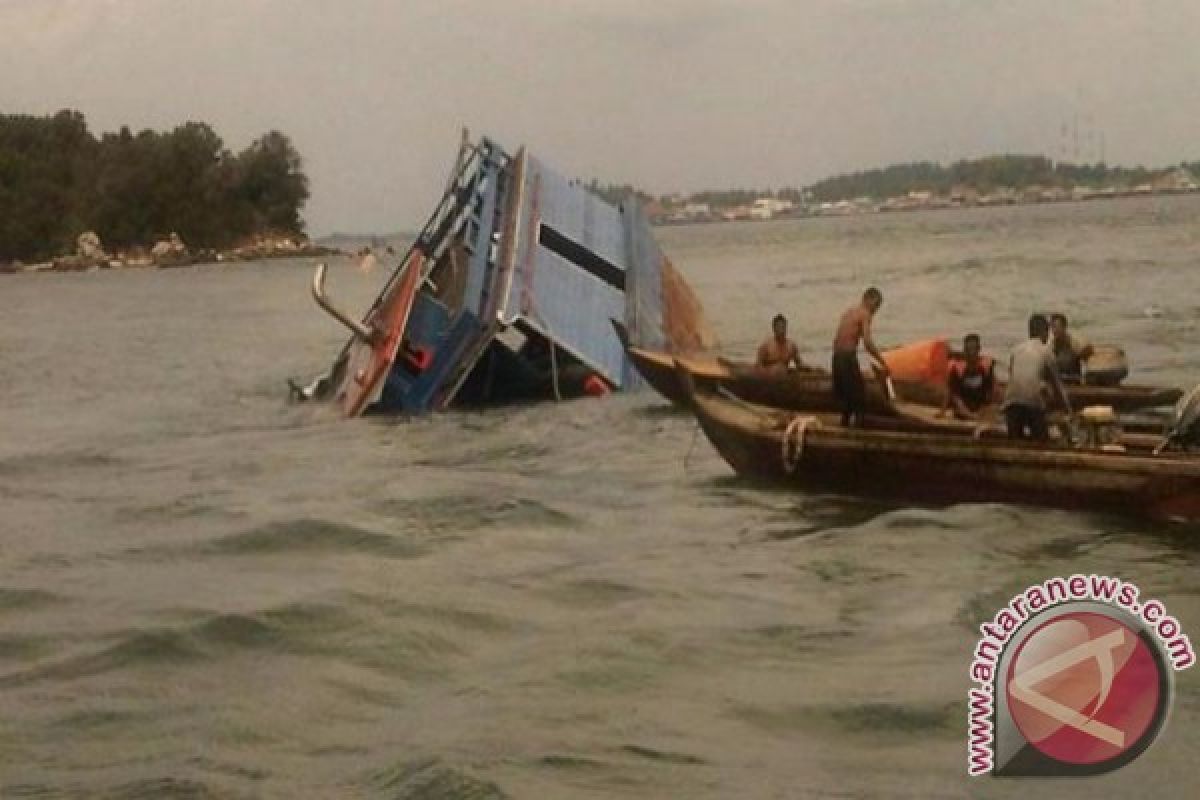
[(1031, 363), (778, 352), (855, 326)]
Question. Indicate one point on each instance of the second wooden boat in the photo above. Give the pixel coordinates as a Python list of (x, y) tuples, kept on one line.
[(811, 450)]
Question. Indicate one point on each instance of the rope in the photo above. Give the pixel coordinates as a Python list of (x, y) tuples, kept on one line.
[(793, 441)]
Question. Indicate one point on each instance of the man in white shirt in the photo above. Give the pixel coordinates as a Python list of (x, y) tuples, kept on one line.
[(1031, 363)]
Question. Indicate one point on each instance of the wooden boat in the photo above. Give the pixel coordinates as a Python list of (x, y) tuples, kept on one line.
[(808, 389), (901, 413), (658, 370), (793, 389), (1123, 399), (811, 389), (803, 391), (656, 367), (812, 450)]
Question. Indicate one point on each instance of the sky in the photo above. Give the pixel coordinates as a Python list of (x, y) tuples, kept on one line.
[(669, 95)]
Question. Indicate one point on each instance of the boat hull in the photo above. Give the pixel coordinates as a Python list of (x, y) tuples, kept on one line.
[(368, 360), (658, 370), (1123, 399), (812, 389), (805, 390), (941, 469)]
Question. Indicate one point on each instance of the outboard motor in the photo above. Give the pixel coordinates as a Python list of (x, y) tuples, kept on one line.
[(1184, 431), (1107, 366)]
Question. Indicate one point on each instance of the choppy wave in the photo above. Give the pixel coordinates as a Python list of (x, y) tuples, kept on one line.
[(313, 535), (462, 512), (873, 720), (431, 779), (27, 599), (206, 592)]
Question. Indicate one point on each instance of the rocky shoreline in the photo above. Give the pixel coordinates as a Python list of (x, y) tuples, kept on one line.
[(170, 252)]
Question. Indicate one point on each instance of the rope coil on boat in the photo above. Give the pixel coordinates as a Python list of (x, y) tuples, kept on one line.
[(793, 441)]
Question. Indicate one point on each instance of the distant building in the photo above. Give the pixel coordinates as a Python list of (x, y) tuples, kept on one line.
[(768, 207), (964, 194), (1178, 179), (655, 211)]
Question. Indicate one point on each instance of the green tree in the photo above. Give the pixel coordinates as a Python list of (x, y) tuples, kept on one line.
[(57, 180), (269, 180)]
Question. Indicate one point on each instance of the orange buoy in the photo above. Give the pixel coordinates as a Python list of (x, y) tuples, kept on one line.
[(926, 361)]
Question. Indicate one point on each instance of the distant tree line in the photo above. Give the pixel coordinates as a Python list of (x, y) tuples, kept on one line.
[(616, 194), (57, 180), (984, 174)]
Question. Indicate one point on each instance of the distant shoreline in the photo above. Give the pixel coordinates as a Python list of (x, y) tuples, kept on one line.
[(848, 209), (264, 249), (311, 248)]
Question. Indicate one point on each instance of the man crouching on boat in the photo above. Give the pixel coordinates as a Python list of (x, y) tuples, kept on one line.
[(1031, 362), (970, 382), (778, 352), (855, 325)]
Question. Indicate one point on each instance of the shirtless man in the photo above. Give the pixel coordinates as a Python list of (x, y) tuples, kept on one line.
[(778, 352), (855, 326)]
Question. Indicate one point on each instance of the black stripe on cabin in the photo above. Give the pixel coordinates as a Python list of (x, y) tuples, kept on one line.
[(581, 257)]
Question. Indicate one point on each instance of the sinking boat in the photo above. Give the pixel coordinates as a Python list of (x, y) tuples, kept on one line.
[(812, 450), (508, 294)]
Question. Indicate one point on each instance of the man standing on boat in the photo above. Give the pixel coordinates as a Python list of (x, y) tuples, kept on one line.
[(1031, 363), (855, 326), (1069, 351), (778, 352)]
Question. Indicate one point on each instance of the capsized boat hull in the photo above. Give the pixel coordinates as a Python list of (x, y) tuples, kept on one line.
[(518, 273), (943, 468), (368, 360)]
